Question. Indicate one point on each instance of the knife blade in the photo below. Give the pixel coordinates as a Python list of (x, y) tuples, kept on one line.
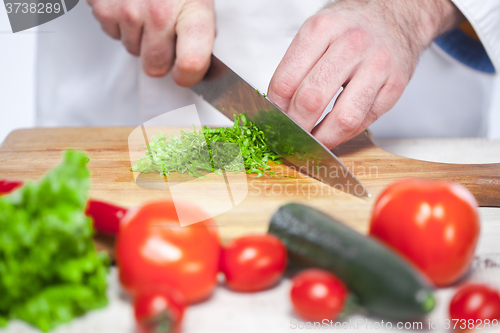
[(230, 94)]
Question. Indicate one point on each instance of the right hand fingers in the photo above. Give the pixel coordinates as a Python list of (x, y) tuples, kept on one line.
[(363, 53), (334, 69), (322, 79), (306, 49), (385, 100), (352, 108)]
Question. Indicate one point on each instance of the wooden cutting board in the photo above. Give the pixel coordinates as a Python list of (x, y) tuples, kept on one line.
[(29, 153)]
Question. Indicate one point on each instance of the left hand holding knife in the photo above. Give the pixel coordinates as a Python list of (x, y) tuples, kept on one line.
[(176, 35)]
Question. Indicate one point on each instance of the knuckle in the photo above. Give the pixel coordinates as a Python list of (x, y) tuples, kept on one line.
[(329, 140), (382, 60), (130, 17), (349, 122), (282, 88), (378, 107), (359, 106), (156, 65), (319, 23), (357, 38), (372, 115), (131, 48), (159, 17), (102, 14), (197, 30), (386, 99), (309, 100), (395, 87), (193, 64)]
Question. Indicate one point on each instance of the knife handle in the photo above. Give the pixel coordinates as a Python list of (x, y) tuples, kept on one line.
[(483, 180)]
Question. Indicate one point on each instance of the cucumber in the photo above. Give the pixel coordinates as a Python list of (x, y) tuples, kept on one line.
[(385, 284)]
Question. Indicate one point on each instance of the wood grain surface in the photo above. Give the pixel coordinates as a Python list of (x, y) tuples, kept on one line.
[(29, 153)]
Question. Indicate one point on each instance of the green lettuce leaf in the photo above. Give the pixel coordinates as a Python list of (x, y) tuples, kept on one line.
[(49, 269)]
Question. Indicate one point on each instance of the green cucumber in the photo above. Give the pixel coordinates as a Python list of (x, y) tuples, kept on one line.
[(385, 284)]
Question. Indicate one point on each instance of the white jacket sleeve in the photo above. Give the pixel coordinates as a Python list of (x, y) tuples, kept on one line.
[(484, 16)]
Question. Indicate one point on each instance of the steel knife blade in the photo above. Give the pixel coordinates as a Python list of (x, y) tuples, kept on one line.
[(230, 94)]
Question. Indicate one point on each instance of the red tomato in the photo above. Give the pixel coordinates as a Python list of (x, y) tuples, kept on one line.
[(159, 312), (254, 262), (7, 185), (154, 251), (106, 217), (435, 225), (317, 294), (475, 306)]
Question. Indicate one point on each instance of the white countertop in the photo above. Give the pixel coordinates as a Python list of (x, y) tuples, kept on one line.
[(270, 311)]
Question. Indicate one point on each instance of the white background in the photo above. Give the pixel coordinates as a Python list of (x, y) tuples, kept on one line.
[(17, 88), (226, 312), (17, 66)]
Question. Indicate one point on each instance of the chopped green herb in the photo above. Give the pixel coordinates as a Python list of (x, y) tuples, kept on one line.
[(210, 150), (262, 94), (49, 269)]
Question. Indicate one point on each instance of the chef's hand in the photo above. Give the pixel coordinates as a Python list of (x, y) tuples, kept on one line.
[(161, 30), (369, 47)]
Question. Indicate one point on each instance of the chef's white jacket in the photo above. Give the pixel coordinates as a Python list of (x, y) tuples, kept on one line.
[(84, 78)]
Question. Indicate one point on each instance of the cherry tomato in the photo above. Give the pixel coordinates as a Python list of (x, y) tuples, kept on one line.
[(153, 250), (106, 217), (475, 305), (159, 311), (7, 186), (253, 262), (317, 294), (435, 225)]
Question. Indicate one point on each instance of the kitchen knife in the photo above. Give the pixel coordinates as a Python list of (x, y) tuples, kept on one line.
[(230, 94)]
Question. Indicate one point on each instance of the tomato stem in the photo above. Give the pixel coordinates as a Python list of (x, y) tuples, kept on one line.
[(351, 306), (429, 302)]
